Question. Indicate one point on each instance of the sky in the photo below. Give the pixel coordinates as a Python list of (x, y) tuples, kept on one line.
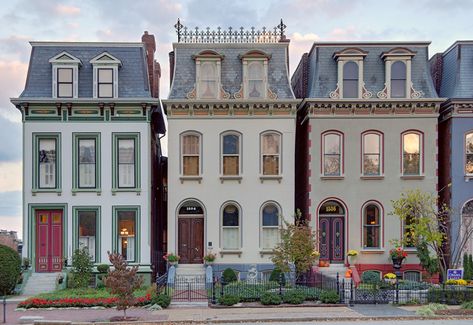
[(439, 21)]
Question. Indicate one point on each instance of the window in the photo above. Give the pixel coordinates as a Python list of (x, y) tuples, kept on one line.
[(256, 80), (270, 226), (208, 83), (126, 230), (190, 154), (231, 154), (270, 153), (407, 231), (372, 143), (371, 226), (87, 163), (467, 227), (350, 80), (126, 147), (231, 227), (332, 154), (373, 271), (47, 163), (469, 154), (412, 276), (65, 83), (411, 153), (105, 83), (398, 80), (87, 221)]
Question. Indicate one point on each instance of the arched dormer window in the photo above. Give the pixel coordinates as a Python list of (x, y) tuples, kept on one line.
[(398, 82), (350, 80), (398, 79), (255, 74), (350, 74), (208, 75)]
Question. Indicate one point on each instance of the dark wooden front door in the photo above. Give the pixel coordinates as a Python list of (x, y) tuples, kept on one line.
[(191, 240), (332, 238), (49, 241)]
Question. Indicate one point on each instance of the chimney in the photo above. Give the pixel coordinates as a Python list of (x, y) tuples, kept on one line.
[(154, 71), (171, 67)]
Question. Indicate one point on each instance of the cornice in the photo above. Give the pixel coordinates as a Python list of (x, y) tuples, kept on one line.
[(457, 108)]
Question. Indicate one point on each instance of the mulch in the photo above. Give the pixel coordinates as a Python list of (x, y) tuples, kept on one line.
[(460, 312)]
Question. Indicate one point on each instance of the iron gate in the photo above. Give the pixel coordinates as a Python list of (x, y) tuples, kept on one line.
[(189, 288)]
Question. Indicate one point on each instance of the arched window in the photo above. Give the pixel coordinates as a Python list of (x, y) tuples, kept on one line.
[(190, 152), (270, 153), (411, 153), (270, 226), (372, 158), (371, 226), (350, 80), (256, 79), (469, 154), (398, 80), (231, 150), (467, 226), (208, 80), (230, 227), (332, 154)]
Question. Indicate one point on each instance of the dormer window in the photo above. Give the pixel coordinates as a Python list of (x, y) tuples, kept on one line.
[(65, 72), (350, 74), (255, 74), (398, 82), (105, 75), (207, 75)]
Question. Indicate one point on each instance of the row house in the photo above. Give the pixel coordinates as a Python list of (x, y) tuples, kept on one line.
[(231, 118), (452, 72), (90, 123), (366, 131)]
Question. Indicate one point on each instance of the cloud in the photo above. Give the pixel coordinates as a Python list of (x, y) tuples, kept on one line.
[(67, 10)]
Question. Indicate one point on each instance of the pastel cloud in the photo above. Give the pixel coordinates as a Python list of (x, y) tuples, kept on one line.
[(67, 10), (10, 176), (12, 81)]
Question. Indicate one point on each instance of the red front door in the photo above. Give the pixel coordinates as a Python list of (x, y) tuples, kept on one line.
[(332, 238), (49, 241)]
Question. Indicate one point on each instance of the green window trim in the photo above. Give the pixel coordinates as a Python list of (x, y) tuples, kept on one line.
[(137, 210), (31, 235), (98, 229), (128, 136), (75, 161), (37, 136)]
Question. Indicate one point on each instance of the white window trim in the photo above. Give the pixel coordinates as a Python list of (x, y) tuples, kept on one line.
[(381, 230), (421, 154), (246, 62), (261, 230), (112, 63), (230, 227), (198, 63), (239, 155), (359, 62), (342, 154), (389, 61), (262, 175), (381, 153), (181, 153), (72, 63)]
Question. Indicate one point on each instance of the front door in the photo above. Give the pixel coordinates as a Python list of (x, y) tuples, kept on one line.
[(49, 241), (332, 236), (191, 240)]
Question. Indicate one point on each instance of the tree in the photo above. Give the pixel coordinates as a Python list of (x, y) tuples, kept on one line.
[(10, 269), (122, 281), (427, 227), (297, 244), (81, 268)]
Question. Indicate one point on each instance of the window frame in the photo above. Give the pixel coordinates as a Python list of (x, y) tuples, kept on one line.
[(421, 153), (115, 230), (223, 155), (204, 57), (344, 79), (380, 225), (412, 271), (350, 54), (181, 153), (99, 69), (65, 60), (76, 137), (466, 154), (247, 62), (381, 153), (58, 82), (392, 78), (390, 57), (98, 229), (222, 227), (262, 226), (136, 137), (341, 154), (105, 61), (37, 136), (279, 154)]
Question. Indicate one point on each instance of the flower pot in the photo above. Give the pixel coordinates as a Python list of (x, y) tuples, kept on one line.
[(173, 263), (352, 259), (397, 262), (210, 263)]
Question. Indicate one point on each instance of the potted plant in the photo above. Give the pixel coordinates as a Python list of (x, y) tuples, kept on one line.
[(315, 255), (172, 259), (398, 254), (352, 254), (209, 259), (390, 278)]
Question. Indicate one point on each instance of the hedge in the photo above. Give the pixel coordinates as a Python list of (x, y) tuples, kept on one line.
[(10, 269)]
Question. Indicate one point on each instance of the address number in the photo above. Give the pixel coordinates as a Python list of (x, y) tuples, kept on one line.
[(331, 208)]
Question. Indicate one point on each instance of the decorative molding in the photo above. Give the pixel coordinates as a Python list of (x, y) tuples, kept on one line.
[(271, 94), (239, 93), (224, 94), (415, 93), (335, 94), (192, 94), (383, 94), (366, 94)]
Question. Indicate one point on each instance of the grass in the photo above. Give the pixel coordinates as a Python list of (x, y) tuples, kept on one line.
[(84, 293)]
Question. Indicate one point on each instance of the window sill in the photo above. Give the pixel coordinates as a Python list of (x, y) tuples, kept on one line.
[(412, 177), (468, 178), (332, 177), (372, 251), (374, 177), (410, 250), (52, 190), (270, 178), (224, 178), (263, 252), (83, 190), (125, 190), (230, 252), (190, 178)]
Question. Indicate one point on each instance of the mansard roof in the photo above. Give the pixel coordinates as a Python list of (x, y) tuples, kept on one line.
[(132, 76), (322, 65)]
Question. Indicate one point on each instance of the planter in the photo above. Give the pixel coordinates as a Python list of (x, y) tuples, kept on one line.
[(352, 259), (209, 263), (173, 263), (397, 262)]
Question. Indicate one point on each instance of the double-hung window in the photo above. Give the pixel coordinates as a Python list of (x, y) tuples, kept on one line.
[(332, 154), (412, 153), (231, 154), (398, 79), (65, 75), (372, 153), (371, 226), (105, 83), (105, 75), (270, 226), (65, 83), (87, 230), (350, 80), (126, 232), (190, 154), (86, 161), (270, 153), (256, 79), (469, 154), (126, 148), (47, 161), (231, 227)]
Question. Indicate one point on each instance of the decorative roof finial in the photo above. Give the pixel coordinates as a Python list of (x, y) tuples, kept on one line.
[(281, 27), (178, 28)]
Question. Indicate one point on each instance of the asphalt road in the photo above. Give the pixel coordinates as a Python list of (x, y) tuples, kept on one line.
[(390, 322)]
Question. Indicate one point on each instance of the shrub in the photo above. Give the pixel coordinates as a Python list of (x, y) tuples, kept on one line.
[(293, 297), (451, 296), (330, 297), (10, 269), (229, 275), (370, 277), (248, 292), (162, 300), (312, 294), (270, 298), (81, 268), (276, 275), (228, 300), (430, 309), (103, 268), (412, 285), (467, 305)]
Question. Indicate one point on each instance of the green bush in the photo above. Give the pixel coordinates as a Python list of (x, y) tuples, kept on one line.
[(412, 285), (81, 268), (270, 298), (467, 305), (330, 297), (103, 268), (229, 275), (452, 296), (430, 309), (370, 277), (248, 292), (276, 276), (163, 300), (312, 294), (10, 269), (293, 297), (228, 300)]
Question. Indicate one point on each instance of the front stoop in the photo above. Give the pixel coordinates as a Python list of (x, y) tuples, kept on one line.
[(40, 283)]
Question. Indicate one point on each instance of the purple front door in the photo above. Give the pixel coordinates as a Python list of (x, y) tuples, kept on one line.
[(332, 238)]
